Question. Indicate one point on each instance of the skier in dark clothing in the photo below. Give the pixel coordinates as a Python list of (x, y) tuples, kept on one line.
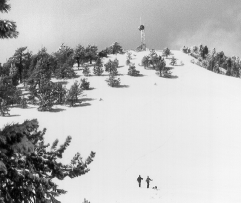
[(139, 180), (148, 181)]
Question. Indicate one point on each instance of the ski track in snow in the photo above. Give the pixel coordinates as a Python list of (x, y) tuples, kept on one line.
[(184, 133)]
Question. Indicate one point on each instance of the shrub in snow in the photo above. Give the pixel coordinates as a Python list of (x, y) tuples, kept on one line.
[(166, 52), (128, 62), (112, 80), (128, 55), (23, 103), (85, 85), (132, 70), (98, 67), (73, 93), (173, 61), (86, 71)]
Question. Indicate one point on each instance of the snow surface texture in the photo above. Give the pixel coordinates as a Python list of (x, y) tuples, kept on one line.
[(184, 133)]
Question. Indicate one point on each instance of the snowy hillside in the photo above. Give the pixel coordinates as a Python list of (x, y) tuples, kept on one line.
[(183, 132)]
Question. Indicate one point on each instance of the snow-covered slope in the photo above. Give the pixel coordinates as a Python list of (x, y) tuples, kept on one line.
[(182, 132)]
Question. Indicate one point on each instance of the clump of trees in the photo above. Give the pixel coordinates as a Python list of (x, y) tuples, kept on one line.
[(29, 166), (217, 62), (115, 48)]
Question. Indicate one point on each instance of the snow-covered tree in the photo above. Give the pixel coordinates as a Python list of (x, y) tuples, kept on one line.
[(98, 70), (112, 80), (111, 67), (166, 52), (132, 70), (8, 29), (29, 166), (85, 85), (91, 53), (173, 61), (86, 71), (73, 93), (79, 54)]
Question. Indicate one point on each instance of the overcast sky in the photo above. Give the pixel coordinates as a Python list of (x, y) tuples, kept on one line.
[(169, 23)]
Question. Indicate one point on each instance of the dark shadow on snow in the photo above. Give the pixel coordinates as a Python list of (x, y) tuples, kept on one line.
[(122, 86), (56, 110)]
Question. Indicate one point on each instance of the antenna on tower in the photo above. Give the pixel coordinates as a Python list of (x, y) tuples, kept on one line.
[(142, 47)]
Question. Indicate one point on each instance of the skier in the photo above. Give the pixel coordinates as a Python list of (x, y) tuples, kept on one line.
[(148, 181), (139, 180)]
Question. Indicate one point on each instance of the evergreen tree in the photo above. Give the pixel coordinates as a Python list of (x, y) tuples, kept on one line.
[(161, 67), (115, 48), (46, 95), (21, 60), (86, 71), (60, 93), (65, 71), (132, 70), (29, 167), (112, 80), (111, 67), (91, 53), (41, 72), (173, 61), (145, 61), (8, 29), (73, 93), (85, 85), (98, 67), (166, 52), (79, 55)]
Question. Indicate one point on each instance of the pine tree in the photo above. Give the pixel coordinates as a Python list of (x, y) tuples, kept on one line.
[(98, 67), (132, 70), (65, 72), (8, 29), (115, 48), (21, 59), (73, 93), (166, 52), (145, 61), (86, 71), (79, 54), (91, 53), (85, 85), (60, 93), (29, 166), (112, 80), (173, 61), (111, 67), (46, 95)]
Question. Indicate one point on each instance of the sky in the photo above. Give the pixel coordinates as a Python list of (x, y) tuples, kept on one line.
[(168, 23)]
